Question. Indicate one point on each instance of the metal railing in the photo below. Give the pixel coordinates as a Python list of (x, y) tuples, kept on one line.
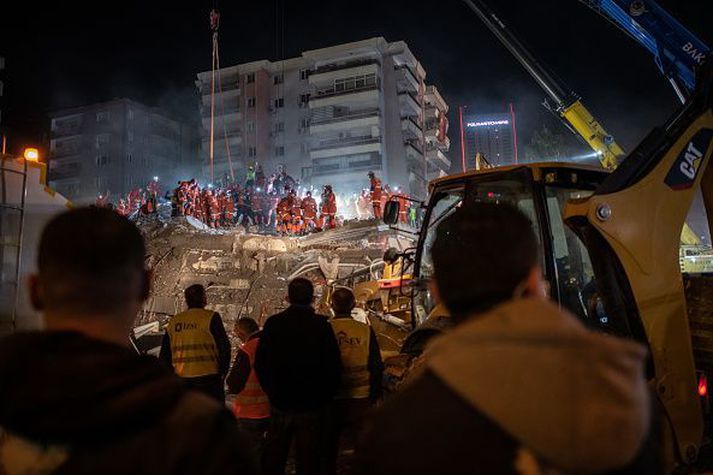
[(345, 142), (319, 118), (331, 91), (337, 67)]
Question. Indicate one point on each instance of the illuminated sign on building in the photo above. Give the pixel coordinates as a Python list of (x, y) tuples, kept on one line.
[(488, 123)]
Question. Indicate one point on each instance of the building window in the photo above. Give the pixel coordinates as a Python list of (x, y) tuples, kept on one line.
[(278, 79), (130, 136), (102, 140), (304, 148), (304, 123), (250, 126), (103, 160), (131, 113), (356, 82), (130, 158), (279, 102), (250, 78), (251, 102), (304, 74), (102, 116), (280, 127), (252, 151), (304, 100), (280, 151)]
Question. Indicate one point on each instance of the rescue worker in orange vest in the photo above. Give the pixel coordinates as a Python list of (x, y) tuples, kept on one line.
[(329, 208), (196, 346), (309, 212), (296, 213), (284, 214), (229, 209), (402, 198), (251, 406), (376, 192), (362, 371)]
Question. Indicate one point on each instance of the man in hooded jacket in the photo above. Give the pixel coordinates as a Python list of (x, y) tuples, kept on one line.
[(518, 385), (75, 398)]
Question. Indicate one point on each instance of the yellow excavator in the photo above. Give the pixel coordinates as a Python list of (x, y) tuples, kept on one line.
[(610, 245)]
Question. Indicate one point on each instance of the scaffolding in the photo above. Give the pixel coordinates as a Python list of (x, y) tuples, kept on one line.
[(12, 227)]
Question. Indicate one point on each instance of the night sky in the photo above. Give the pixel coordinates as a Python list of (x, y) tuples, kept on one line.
[(65, 54)]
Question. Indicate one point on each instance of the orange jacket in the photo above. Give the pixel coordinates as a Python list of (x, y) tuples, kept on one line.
[(309, 208), (375, 190), (251, 402)]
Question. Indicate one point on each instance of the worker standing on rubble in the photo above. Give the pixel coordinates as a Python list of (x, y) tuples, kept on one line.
[(196, 346), (376, 193), (296, 214), (309, 212), (518, 385), (250, 177), (362, 371), (284, 214), (299, 366), (258, 207), (251, 406), (75, 398), (329, 208)]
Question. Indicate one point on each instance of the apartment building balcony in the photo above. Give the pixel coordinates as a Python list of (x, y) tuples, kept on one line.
[(330, 121), (434, 98), (65, 171), (346, 165), (329, 72), (413, 149), (345, 146), (363, 96), (229, 116), (410, 128), (409, 104), (65, 131), (436, 157), (406, 79)]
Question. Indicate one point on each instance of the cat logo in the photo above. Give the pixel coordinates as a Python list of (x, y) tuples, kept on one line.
[(683, 174)]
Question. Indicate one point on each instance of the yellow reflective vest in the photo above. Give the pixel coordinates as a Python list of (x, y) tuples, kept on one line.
[(353, 339), (193, 349)]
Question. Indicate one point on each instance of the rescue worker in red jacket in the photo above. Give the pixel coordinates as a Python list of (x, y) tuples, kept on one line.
[(402, 198), (376, 192), (258, 206), (284, 214), (251, 406), (309, 212), (122, 208), (329, 207), (296, 213)]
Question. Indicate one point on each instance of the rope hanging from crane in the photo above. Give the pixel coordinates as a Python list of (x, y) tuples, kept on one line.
[(215, 71)]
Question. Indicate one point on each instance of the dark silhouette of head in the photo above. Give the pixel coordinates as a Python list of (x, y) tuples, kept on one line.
[(90, 264), (482, 253), (300, 292), (343, 301), (196, 296)]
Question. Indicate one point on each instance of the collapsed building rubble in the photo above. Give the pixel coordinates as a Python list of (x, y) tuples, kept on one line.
[(246, 274)]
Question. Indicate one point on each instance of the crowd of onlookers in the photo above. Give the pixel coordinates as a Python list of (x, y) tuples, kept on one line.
[(516, 385)]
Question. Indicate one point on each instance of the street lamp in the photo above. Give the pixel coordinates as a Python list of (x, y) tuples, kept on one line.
[(31, 154)]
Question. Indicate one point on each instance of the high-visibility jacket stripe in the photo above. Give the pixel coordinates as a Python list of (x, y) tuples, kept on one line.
[(193, 349)]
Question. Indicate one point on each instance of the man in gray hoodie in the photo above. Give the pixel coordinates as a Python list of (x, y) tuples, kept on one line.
[(519, 385)]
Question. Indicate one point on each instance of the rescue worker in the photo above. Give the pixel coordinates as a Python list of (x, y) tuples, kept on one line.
[(250, 177), (403, 207), (309, 212), (196, 346), (296, 214), (376, 192), (122, 208), (229, 213), (260, 180), (251, 406), (284, 214), (258, 208), (362, 371), (329, 208)]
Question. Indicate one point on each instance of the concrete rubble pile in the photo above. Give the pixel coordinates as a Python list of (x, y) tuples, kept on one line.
[(246, 274)]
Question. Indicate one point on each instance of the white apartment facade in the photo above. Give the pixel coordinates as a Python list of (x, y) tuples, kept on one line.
[(330, 116)]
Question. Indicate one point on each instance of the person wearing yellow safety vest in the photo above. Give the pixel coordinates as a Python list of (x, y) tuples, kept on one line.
[(251, 406), (196, 346), (362, 371)]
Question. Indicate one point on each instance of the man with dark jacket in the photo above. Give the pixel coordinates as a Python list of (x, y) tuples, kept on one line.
[(75, 398), (518, 385), (299, 366), (196, 346)]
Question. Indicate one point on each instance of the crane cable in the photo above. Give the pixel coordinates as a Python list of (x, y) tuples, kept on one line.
[(215, 71)]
